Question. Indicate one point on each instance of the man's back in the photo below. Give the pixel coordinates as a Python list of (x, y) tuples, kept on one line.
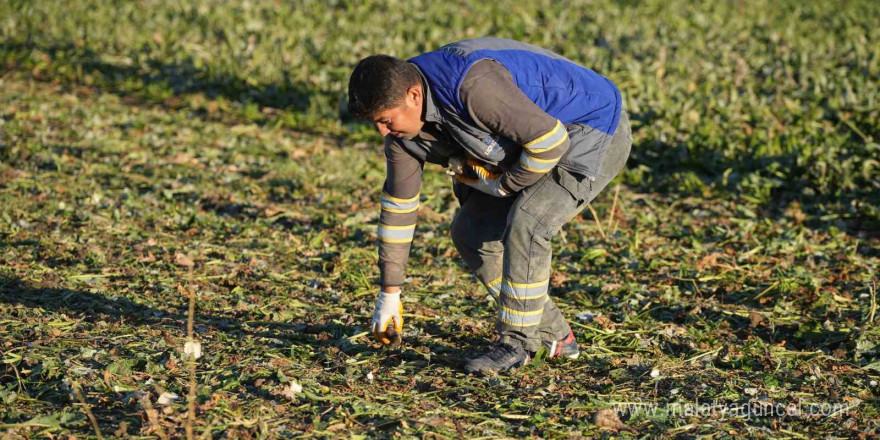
[(560, 87)]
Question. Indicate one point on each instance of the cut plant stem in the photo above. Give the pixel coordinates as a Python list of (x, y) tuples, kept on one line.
[(596, 218), (358, 336), (873, 289), (88, 409), (191, 364), (613, 206), (702, 355), (776, 283)]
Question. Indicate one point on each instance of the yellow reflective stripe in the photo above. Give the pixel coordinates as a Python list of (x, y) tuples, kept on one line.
[(544, 136), (542, 150), (524, 291), (535, 159), (494, 287), (518, 324), (518, 313), (397, 205), (536, 165), (524, 297), (397, 240), (548, 141), (397, 228), (527, 285), (401, 211), (396, 234), (398, 200)]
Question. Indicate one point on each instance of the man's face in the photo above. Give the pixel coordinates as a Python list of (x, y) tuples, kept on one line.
[(405, 120)]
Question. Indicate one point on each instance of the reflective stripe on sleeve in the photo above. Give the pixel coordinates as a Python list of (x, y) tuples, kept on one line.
[(537, 165), (549, 140), (400, 206), (396, 234)]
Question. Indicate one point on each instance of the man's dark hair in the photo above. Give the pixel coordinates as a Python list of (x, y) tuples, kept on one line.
[(378, 83)]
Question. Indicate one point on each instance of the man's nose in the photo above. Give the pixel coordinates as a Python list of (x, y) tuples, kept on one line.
[(383, 129)]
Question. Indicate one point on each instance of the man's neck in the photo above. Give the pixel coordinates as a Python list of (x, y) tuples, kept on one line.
[(429, 109)]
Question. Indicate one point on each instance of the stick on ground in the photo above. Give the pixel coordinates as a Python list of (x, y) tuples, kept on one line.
[(596, 218), (613, 206), (191, 364), (82, 400)]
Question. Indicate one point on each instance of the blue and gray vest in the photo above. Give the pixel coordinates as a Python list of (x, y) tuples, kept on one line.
[(586, 102)]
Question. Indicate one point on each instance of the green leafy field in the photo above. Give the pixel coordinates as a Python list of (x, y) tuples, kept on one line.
[(152, 150)]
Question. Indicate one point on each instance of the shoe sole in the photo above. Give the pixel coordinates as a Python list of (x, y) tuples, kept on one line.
[(495, 372), (517, 365)]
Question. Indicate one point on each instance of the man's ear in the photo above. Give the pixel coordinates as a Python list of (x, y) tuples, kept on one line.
[(415, 94)]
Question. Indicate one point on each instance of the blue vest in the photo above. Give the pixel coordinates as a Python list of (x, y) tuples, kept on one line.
[(588, 103), (565, 90)]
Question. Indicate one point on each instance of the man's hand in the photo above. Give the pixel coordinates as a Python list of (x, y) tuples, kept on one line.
[(478, 177), (388, 319)]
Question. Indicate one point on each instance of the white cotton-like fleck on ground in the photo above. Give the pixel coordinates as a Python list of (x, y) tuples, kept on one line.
[(295, 387), (167, 398), (193, 348)]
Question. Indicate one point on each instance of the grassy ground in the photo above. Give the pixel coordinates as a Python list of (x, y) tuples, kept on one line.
[(200, 149)]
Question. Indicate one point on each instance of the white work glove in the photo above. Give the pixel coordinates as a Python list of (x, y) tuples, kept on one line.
[(388, 309), (473, 174)]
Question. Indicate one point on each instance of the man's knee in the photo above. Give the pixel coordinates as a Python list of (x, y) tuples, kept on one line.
[(459, 231), (523, 230)]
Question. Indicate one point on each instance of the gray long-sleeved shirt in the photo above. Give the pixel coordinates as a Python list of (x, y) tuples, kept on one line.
[(497, 105)]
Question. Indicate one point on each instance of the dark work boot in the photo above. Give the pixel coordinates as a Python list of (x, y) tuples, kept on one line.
[(567, 347), (499, 358)]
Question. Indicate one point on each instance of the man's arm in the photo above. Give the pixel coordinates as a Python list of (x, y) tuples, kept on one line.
[(494, 101), (397, 221)]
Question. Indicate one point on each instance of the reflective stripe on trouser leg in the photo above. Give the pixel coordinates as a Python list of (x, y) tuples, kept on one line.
[(494, 288), (538, 214), (522, 305), (550, 327)]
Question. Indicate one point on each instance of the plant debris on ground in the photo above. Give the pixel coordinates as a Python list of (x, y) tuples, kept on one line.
[(157, 151)]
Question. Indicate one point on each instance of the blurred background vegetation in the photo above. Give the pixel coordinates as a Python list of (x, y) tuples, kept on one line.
[(152, 147), (767, 102)]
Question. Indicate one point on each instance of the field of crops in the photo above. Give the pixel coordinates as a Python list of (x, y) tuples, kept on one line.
[(154, 152)]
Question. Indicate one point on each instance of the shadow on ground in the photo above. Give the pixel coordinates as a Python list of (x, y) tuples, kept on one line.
[(95, 306), (178, 78)]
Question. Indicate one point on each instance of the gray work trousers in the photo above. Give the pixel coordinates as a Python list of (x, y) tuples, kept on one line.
[(506, 242)]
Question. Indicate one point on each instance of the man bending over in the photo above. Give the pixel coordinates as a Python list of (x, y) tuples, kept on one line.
[(530, 138)]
